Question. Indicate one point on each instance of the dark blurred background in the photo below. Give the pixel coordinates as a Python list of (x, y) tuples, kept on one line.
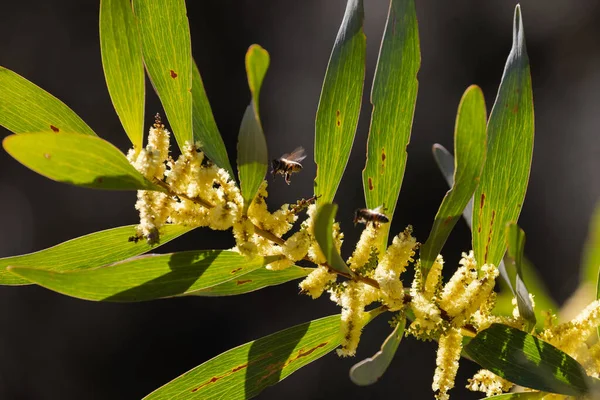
[(54, 347)]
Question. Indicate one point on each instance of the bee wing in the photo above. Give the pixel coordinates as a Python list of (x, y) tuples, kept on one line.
[(381, 209), (297, 155)]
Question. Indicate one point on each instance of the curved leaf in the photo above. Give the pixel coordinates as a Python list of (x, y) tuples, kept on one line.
[(123, 66), (469, 147), (394, 96), (253, 281), (25, 108), (147, 277), (205, 127), (500, 194), (89, 251), (371, 369), (520, 396), (167, 49), (324, 236), (513, 261), (339, 104), (245, 371), (527, 361), (252, 158), (591, 255), (80, 160)]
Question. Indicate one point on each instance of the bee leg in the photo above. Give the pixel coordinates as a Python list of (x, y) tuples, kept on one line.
[(287, 177)]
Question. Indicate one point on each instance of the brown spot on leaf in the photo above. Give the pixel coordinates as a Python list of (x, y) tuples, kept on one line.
[(47, 156), (338, 123), (236, 270), (482, 200), (487, 245), (447, 220), (515, 109), (302, 353), (173, 74), (55, 129), (233, 371), (337, 113), (99, 180), (370, 184), (382, 155), (244, 281), (278, 366)]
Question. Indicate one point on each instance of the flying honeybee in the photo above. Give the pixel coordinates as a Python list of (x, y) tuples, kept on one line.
[(364, 216), (288, 164)]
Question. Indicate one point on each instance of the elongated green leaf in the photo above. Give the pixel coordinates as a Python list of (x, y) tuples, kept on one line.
[(393, 97), (339, 105), (252, 281), (252, 158), (513, 262), (445, 162), (527, 361), (205, 127), (371, 369), (147, 277), (123, 66), (245, 371), (80, 160), (469, 147), (25, 107), (591, 253), (167, 49), (324, 236), (520, 396), (500, 194), (89, 251)]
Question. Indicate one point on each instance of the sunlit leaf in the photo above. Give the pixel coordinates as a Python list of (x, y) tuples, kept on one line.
[(371, 369), (527, 361), (89, 251), (252, 158), (513, 262), (147, 277), (123, 66), (205, 127), (80, 160), (25, 107), (590, 269), (167, 49), (469, 149), (324, 236), (245, 371), (252, 281), (500, 194), (339, 105), (393, 97)]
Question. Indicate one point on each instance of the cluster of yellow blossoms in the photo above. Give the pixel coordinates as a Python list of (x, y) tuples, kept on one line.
[(198, 193)]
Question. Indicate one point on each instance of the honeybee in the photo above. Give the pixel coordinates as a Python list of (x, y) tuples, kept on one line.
[(364, 216), (288, 164)]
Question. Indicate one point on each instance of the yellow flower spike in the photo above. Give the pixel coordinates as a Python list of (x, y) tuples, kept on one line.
[(243, 232), (188, 213), (434, 276), (474, 296), (489, 383), (315, 283), (448, 354), (296, 247), (362, 252), (354, 318), (456, 286)]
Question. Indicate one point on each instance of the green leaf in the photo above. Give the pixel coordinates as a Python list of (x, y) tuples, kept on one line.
[(393, 96), (80, 160), (591, 254), (500, 195), (86, 252), (255, 280), (252, 158), (339, 105), (527, 361), (371, 369), (445, 162), (513, 262), (520, 396), (148, 277), (324, 236), (25, 108), (167, 48), (205, 127), (469, 147), (123, 66), (245, 371)]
